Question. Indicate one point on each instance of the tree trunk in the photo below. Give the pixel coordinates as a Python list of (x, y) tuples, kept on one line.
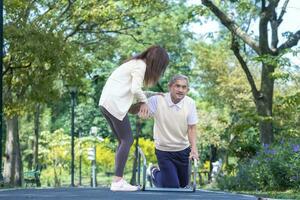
[(213, 158), (13, 169), (264, 105), (36, 135), (264, 97)]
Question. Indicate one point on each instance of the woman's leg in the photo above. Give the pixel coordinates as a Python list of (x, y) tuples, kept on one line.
[(122, 131)]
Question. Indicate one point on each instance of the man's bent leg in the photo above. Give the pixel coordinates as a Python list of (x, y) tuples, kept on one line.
[(182, 166), (166, 176)]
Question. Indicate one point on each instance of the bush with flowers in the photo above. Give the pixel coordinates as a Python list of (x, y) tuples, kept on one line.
[(275, 167)]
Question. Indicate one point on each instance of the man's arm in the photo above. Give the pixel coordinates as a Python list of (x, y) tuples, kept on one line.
[(193, 141)]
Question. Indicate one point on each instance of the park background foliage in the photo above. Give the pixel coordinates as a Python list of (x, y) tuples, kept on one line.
[(52, 45)]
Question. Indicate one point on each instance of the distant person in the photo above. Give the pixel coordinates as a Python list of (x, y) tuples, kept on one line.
[(123, 85)]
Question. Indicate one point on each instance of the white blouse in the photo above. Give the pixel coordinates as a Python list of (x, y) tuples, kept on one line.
[(123, 85)]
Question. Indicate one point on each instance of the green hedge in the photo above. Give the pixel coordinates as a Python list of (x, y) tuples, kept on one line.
[(275, 167)]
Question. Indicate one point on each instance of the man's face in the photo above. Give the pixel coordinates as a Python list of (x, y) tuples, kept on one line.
[(178, 90)]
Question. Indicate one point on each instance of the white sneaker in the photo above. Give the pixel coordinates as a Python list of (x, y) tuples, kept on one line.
[(122, 185)]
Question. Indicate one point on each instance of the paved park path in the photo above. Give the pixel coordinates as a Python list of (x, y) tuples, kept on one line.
[(106, 194)]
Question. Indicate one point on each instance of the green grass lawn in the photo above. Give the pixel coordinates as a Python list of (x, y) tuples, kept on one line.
[(289, 194)]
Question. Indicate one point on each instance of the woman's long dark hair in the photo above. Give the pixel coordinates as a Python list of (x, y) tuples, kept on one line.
[(157, 60)]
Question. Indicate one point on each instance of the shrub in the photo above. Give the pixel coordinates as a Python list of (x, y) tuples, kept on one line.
[(275, 167), (147, 147)]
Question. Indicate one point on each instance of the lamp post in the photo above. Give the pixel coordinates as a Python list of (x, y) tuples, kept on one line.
[(92, 156), (80, 159), (73, 91)]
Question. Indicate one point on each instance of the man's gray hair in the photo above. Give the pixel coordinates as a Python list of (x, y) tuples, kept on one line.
[(178, 77)]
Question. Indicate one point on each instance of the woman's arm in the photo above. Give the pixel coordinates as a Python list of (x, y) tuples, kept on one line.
[(135, 108), (152, 103), (137, 74)]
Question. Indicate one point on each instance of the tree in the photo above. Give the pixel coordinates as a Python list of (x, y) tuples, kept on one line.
[(269, 53), (50, 44), (224, 103), (32, 61)]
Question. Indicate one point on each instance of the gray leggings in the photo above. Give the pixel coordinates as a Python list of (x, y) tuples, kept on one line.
[(122, 130)]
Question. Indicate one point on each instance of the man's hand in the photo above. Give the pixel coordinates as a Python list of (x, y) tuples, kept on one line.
[(144, 111), (194, 154)]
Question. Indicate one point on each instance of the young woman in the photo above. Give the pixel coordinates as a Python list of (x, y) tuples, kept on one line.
[(123, 85)]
